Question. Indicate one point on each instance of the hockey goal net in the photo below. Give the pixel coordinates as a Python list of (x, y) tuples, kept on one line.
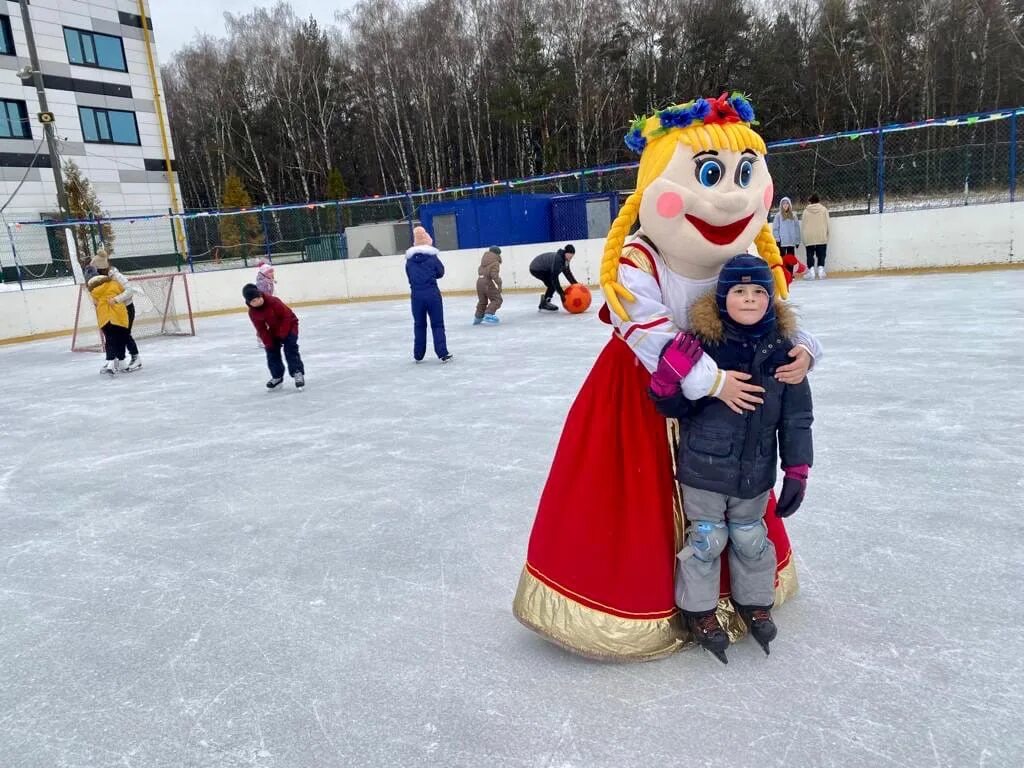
[(163, 307)]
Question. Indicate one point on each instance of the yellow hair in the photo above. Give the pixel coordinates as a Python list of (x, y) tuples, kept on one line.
[(655, 159)]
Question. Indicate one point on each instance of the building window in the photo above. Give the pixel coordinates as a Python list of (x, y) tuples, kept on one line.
[(14, 120), (6, 38), (108, 126), (91, 49)]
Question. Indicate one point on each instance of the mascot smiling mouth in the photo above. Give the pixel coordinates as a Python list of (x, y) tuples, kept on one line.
[(720, 235)]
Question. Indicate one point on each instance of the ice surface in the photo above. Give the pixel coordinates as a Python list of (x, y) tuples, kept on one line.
[(196, 572)]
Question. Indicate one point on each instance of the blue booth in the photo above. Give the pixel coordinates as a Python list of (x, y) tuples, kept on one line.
[(480, 222)]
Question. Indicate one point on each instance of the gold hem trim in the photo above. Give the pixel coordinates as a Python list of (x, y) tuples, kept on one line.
[(601, 636), (594, 604), (591, 633)]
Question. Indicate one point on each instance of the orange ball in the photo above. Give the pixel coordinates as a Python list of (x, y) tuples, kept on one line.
[(577, 299)]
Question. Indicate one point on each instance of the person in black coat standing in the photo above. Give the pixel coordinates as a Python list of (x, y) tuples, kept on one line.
[(547, 268), (424, 269), (726, 461)]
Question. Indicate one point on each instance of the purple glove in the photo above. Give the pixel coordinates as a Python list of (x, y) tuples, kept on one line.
[(793, 487), (677, 360)]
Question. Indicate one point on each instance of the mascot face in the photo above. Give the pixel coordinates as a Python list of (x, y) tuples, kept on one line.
[(706, 207)]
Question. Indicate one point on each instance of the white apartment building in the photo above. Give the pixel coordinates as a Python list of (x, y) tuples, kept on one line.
[(98, 75)]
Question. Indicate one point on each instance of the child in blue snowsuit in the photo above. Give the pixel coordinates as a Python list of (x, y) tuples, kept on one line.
[(424, 269)]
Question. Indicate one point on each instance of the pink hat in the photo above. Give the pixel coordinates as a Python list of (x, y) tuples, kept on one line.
[(420, 236)]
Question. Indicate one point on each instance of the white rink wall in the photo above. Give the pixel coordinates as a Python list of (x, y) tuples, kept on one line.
[(948, 237)]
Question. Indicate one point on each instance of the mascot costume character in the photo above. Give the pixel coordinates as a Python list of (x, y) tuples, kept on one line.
[(598, 579)]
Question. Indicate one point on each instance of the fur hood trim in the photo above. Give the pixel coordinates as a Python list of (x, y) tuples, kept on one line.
[(426, 250), (707, 324), (97, 281)]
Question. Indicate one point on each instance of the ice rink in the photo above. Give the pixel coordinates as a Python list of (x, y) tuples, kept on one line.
[(196, 572)]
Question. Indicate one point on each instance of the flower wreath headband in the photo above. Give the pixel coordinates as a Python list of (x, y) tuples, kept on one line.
[(727, 108)]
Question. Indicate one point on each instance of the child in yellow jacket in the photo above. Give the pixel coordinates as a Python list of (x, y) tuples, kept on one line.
[(112, 319)]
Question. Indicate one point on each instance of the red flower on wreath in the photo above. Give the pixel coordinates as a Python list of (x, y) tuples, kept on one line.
[(722, 111)]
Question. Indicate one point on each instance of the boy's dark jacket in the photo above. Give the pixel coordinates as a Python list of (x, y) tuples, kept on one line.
[(274, 321), (733, 454)]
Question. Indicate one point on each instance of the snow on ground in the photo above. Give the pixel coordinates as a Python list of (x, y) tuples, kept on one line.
[(195, 572)]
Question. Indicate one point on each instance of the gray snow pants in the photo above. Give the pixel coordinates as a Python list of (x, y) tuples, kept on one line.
[(716, 520)]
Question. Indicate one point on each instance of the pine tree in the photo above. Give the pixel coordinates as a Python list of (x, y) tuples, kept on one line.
[(83, 203), (239, 231), (336, 189)]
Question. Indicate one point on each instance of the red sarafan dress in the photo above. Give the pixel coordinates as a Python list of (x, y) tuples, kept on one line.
[(599, 571)]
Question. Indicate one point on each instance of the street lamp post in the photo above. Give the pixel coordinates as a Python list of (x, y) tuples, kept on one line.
[(51, 139)]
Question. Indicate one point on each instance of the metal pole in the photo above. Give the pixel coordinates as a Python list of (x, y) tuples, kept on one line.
[(174, 239), (266, 233), (165, 140), (881, 172), (14, 255), (339, 242), (408, 199), (476, 216), (48, 129), (1013, 157)]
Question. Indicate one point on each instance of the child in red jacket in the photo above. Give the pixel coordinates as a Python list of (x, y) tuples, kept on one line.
[(278, 327)]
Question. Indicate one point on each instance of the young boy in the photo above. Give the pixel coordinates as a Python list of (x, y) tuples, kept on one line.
[(488, 288), (726, 462), (278, 327)]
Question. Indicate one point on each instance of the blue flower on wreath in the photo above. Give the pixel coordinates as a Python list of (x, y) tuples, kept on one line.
[(635, 140), (681, 117), (744, 110)]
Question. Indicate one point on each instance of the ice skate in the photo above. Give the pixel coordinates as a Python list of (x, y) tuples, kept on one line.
[(491, 320), (134, 364), (448, 358), (708, 633), (300, 380), (821, 273), (109, 369), (810, 274), (477, 320), (546, 304), (274, 383), (759, 622)]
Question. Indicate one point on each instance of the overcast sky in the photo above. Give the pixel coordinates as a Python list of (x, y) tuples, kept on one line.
[(176, 22)]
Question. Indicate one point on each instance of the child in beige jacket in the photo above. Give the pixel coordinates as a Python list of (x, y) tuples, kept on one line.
[(815, 227)]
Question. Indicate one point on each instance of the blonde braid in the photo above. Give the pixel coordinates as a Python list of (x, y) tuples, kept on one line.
[(610, 284), (769, 251)]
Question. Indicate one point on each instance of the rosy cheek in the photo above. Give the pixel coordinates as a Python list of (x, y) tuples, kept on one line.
[(769, 195), (670, 205)]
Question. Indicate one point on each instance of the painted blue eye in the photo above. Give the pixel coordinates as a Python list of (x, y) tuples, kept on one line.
[(744, 172), (709, 173)]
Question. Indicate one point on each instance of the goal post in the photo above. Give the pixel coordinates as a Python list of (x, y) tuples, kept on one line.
[(163, 307)]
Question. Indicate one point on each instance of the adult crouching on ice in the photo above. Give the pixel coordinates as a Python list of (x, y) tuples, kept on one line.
[(548, 268), (424, 269)]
